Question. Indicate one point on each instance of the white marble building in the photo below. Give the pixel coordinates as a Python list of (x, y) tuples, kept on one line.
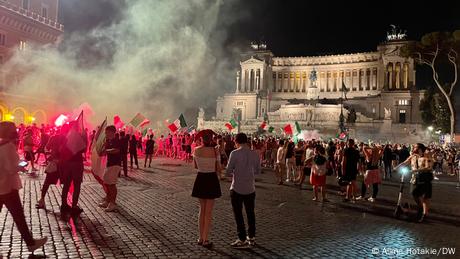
[(308, 89)]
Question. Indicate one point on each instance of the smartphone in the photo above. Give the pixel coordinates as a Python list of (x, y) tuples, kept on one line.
[(23, 163)]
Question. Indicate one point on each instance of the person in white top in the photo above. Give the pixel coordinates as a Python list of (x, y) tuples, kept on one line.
[(10, 183), (280, 167), (207, 186)]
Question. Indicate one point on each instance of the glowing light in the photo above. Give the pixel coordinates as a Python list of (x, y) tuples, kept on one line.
[(404, 170), (31, 118), (61, 120), (9, 117), (430, 128)]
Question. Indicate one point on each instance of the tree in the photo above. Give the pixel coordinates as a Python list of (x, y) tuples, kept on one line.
[(433, 50)]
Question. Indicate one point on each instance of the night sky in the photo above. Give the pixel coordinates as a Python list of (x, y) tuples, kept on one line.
[(299, 28)]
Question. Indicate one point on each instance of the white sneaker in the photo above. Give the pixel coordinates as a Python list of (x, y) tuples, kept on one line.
[(103, 204), (371, 199), (37, 244), (111, 207), (251, 241), (239, 244)]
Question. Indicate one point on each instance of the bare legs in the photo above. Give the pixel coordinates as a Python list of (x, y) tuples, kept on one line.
[(205, 217)]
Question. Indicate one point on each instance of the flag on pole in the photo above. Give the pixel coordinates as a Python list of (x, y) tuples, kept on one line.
[(344, 90), (263, 125), (288, 129), (99, 138), (342, 136), (231, 124), (137, 120), (98, 162), (144, 132), (178, 123), (297, 128), (117, 122), (76, 140), (143, 123), (271, 129)]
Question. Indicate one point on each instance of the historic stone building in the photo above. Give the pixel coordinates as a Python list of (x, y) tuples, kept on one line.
[(379, 86), (23, 22)]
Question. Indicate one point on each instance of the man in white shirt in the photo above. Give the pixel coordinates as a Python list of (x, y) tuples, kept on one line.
[(280, 166)]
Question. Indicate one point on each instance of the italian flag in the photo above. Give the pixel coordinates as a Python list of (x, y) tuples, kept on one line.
[(178, 124), (267, 127), (297, 128), (288, 129), (231, 124)]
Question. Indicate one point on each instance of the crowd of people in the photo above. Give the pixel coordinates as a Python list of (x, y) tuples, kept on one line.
[(214, 156)]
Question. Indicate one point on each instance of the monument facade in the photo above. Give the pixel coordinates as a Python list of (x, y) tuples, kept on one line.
[(377, 85)]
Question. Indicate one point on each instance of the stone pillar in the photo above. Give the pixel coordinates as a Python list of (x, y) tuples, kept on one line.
[(243, 80), (348, 75), (301, 89), (364, 80), (238, 81), (398, 75), (355, 78), (406, 76)]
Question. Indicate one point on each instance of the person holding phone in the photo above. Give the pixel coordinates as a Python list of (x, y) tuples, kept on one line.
[(10, 183)]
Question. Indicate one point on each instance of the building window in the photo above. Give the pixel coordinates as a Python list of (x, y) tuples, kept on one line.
[(44, 12), (25, 4), (221, 109), (239, 103), (22, 45), (403, 102), (2, 39)]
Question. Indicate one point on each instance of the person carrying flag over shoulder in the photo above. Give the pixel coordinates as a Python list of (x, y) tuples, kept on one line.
[(71, 165)]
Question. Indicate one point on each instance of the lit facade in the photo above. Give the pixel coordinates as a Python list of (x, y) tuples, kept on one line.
[(380, 87), (23, 22)]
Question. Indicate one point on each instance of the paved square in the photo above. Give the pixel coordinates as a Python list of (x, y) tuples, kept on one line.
[(157, 218)]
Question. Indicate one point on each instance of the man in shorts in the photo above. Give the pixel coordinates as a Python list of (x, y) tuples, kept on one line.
[(112, 149)]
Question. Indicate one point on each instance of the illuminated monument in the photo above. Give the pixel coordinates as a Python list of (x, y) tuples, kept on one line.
[(282, 90), (23, 22)]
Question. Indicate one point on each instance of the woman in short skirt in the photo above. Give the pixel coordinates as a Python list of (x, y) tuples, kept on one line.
[(206, 187), (318, 173)]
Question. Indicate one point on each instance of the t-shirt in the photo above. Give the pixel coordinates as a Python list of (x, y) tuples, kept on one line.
[(149, 146), (113, 159), (352, 156)]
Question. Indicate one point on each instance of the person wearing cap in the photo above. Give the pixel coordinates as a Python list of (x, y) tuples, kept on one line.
[(10, 183), (243, 164)]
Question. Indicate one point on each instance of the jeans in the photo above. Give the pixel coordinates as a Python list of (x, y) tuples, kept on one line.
[(387, 168), (14, 205), (237, 204), (124, 162), (72, 172), (133, 156)]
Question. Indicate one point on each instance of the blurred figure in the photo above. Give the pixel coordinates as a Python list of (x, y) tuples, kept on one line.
[(10, 183)]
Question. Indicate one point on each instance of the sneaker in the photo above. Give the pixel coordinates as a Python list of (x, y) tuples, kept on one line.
[(111, 207), (76, 211), (37, 244), (103, 204), (371, 199), (360, 198), (239, 244), (251, 241)]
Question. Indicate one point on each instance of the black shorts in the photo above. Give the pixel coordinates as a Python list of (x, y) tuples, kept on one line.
[(423, 189), (350, 176)]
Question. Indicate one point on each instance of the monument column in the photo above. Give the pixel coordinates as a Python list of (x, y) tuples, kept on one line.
[(364, 80), (238, 81)]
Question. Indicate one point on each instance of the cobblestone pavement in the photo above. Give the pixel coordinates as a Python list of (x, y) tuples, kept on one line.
[(157, 218)]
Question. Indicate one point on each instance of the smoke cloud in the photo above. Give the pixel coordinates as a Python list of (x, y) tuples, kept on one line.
[(160, 58)]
